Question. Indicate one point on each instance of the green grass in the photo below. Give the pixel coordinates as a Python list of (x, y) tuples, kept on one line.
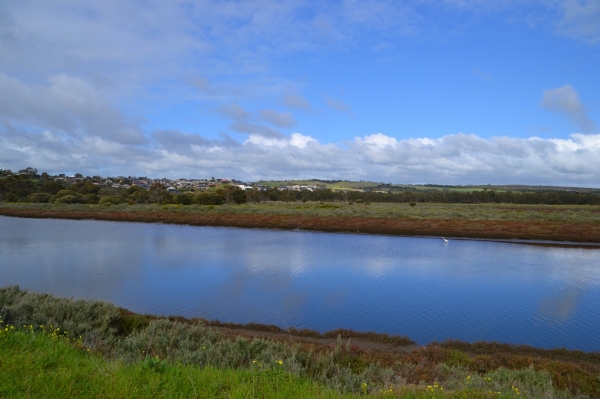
[(353, 185), (424, 211), (36, 366)]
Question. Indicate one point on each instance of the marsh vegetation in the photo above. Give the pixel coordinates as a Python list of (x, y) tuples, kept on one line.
[(50, 344), (580, 223)]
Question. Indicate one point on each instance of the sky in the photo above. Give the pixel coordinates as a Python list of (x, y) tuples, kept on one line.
[(422, 91)]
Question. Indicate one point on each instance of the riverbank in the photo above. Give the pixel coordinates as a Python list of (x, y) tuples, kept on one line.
[(542, 224), (134, 344)]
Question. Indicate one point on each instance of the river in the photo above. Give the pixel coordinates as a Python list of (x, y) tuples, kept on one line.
[(425, 288)]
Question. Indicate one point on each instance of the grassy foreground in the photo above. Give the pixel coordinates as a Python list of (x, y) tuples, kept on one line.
[(57, 347), (577, 223), (37, 366)]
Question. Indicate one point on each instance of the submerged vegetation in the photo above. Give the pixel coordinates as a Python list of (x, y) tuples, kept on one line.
[(58, 347)]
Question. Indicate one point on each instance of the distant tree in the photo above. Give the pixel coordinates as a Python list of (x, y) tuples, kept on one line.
[(184, 199), (16, 187), (29, 171), (288, 196), (238, 196), (254, 195), (226, 192), (40, 198), (85, 187), (138, 194), (158, 193), (111, 199), (68, 199), (51, 187)]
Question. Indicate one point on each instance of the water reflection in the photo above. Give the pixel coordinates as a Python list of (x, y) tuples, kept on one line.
[(421, 287)]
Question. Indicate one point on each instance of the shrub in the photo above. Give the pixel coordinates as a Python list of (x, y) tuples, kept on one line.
[(91, 198), (39, 198), (111, 199), (412, 203), (68, 199), (183, 199), (63, 193), (208, 198), (51, 187), (92, 320)]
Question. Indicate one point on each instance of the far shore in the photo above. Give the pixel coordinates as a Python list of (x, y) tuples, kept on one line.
[(534, 230)]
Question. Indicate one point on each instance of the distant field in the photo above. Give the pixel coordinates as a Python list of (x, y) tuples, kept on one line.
[(353, 185), (579, 223), (333, 186)]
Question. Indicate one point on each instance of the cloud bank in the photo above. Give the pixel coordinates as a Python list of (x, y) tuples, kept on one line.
[(455, 158)]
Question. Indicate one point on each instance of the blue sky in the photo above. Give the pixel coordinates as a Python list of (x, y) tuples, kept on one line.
[(423, 91)]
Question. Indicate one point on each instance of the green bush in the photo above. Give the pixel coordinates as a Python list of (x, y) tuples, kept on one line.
[(91, 199), (39, 198), (93, 320), (208, 198), (68, 199), (63, 193), (111, 199), (183, 199)]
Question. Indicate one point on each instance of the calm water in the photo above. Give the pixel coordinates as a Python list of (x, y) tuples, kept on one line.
[(420, 287)]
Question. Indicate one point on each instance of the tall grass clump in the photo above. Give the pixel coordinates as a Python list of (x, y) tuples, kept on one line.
[(34, 365), (94, 321)]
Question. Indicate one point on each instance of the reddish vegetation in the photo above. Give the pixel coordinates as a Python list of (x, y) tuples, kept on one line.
[(573, 370), (489, 229)]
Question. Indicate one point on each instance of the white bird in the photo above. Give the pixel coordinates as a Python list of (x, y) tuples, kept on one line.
[(445, 239)]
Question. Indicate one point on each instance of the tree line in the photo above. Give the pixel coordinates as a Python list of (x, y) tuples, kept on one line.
[(34, 189)]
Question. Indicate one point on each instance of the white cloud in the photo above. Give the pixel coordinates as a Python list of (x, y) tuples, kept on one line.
[(565, 100), (581, 20), (338, 104), (66, 104), (279, 119), (295, 101), (458, 158)]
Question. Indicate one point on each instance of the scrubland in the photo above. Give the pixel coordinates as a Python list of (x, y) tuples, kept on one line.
[(58, 347)]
